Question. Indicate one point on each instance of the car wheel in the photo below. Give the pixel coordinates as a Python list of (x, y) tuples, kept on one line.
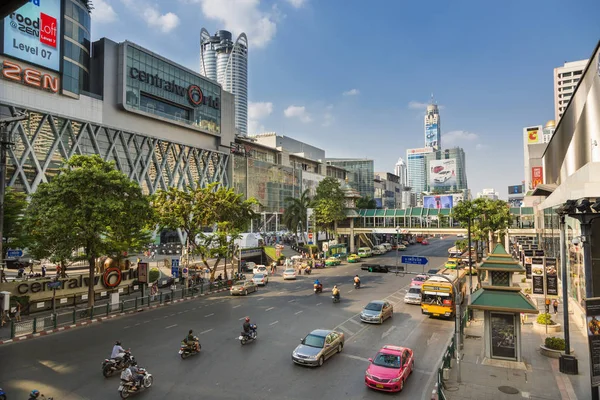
[(401, 384), (381, 320), (246, 292), (340, 348), (412, 366), (321, 360)]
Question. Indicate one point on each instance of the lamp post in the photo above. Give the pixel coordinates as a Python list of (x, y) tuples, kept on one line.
[(470, 259), (457, 321), (397, 245), (563, 277)]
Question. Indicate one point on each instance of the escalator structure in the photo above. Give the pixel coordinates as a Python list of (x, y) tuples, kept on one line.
[(364, 238)]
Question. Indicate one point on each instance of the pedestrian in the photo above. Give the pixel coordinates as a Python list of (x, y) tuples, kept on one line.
[(523, 318), (18, 312), (547, 305), (555, 306), (43, 270)]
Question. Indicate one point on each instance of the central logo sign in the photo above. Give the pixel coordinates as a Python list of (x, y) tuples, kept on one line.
[(193, 92)]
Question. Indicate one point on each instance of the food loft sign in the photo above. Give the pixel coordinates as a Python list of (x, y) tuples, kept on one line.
[(110, 279), (192, 92), (29, 77)]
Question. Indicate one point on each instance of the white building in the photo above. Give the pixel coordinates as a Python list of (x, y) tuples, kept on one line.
[(565, 81), (401, 171), (433, 129), (226, 62), (489, 193), (417, 176)]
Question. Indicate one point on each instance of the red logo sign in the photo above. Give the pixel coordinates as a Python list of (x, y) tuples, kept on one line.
[(537, 176), (48, 30)]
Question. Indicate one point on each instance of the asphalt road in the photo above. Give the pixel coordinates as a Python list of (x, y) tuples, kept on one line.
[(68, 365)]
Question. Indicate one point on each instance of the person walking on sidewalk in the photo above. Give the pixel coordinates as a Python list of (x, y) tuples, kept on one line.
[(43, 270), (547, 305), (555, 306), (18, 313)]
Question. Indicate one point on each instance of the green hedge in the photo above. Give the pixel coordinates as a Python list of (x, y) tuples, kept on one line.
[(153, 275), (545, 319), (555, 343)]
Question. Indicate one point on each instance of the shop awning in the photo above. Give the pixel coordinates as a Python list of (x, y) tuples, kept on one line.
[(502, 299)]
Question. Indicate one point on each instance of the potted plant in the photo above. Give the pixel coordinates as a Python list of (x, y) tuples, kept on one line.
[(544, 323), (553, 347)]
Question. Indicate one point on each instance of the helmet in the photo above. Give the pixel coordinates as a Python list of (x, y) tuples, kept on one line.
[(335, 286), (34, 393), (118, 342), (247, 319), (191, 331), (133, 363)]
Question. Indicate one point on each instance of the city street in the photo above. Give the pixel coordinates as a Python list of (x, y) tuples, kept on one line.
[(67, 365)]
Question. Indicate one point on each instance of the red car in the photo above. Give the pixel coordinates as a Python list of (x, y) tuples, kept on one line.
[(390, 368), (424, 242)]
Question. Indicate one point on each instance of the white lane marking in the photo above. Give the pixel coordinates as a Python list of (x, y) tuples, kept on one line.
[(280, 292), (241, 318), (170, 326), (350, 291), (319, 304), (209, 315), (355, 357), (384, 334), (269, 309), (193, 309), (348, 331), (298, 287), (296, 313), (127, 327), (291, 301), (239, 305), (206, 331), (146, 322), (138, 324), (273, 323), (262, 298), (355, 321)]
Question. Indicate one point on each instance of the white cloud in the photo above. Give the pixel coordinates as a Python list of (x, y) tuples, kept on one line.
[(328, 117), (297, 3), (240, 16), (298, 112), (458, 137), (481, 146), (255, 127), (103, 12), (256, 112), (417, 105), (165, 22), (351, 92)]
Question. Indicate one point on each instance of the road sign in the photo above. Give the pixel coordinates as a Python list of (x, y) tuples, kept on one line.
[(13, 253), (175, 267), (185, 272), (415, 260)]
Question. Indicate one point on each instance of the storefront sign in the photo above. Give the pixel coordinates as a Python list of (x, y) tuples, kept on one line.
[(537, 274), (537, 176), (551, 277), (538, 253), (592, 313), (29, 77), (32, 33)]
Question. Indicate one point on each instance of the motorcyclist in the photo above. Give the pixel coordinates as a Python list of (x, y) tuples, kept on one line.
[(318, 285), (192, 341), (118, 352), (136, 375), (336, 292), (357, 281), (35, 394), (247, 326)]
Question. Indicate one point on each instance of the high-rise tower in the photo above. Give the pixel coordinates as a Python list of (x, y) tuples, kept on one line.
[(433, 130), (400, 170), (226, 61)]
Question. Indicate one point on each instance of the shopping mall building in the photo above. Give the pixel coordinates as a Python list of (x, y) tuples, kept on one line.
[(571, 171), (162, 124)]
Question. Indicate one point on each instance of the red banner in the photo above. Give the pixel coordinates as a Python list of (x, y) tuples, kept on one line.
[(537, 176)]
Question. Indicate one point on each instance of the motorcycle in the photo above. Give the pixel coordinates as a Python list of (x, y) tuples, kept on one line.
[(110, 366), (336, 299), (357, 285), (185, 351), (318, 288), (128, 388), (2, 394), (250, 337)]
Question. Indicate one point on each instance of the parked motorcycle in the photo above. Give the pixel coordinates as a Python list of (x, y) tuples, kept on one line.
[(318, 288), (128, 388), (247, 338), (186, 351), (110, 366)]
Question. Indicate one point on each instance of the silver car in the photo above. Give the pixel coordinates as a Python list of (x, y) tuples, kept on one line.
[(413, 296), (317, 347), (243, 288), (260, 279), (376, 312)]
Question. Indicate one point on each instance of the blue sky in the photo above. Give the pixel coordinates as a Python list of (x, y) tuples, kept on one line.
[(353, 76)]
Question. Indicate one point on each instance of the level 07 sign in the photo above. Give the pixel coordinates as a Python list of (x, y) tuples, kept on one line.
[(415, 260)]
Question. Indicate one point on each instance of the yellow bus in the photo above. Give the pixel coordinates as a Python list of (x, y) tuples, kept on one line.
[(438, 296)]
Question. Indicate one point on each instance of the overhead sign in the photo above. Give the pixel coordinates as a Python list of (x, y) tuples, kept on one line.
[(32, 33), (14, 253), (415, 260)]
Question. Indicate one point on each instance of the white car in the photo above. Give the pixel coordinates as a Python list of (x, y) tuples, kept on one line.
[(289, 273), (443, 176), (260, 279), (413, 296), (260, 269)]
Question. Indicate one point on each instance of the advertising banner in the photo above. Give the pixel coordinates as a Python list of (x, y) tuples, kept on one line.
[(537, 275), (32, 33), (431, 135), (537, 176), (537, 252), (592, 313), (143, 272), (438, 202), (442, 172), (527, 254), (515, 189), (533, 134), (551, 276)]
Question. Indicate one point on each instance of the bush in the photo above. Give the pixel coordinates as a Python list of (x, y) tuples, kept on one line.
[(545, 319), (153, 275), (527, 290), (555, 343), (523, 280)]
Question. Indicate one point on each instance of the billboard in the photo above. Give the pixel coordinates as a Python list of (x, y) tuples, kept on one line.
[(537, 176), (441, 201), (533, 134), (442, 172), (32, 33), (421, 150), (515, 189), (431, 135)]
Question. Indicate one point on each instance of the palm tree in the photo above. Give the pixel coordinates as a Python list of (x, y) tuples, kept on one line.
[(294, 215)]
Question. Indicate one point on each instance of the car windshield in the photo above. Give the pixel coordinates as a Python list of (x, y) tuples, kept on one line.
[(374, 306), (240, 282), (289, 271), (419, 278), (314, 341), (387, 360), (259, 276), (414, 290)]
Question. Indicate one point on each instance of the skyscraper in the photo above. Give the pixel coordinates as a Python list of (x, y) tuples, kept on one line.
[(415, 163), (433, 130), (226, 62), (446, 171), (565, 81), (400, 170)]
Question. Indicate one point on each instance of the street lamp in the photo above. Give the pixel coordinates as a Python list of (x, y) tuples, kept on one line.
[(397, 245)]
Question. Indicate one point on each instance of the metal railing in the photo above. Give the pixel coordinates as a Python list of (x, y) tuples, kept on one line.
[(80, 314), (446, 363)]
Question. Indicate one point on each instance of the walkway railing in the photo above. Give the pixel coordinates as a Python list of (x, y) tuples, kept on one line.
[(446, 363)]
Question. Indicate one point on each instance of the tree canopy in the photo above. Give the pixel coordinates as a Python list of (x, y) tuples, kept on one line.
[(366, 202), (295, 212), (487, 216), (329, 204), (14, 236), (90, 207)]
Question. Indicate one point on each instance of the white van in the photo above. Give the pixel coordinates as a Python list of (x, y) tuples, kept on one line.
[(379, 249), (387, 246), (364, 252)]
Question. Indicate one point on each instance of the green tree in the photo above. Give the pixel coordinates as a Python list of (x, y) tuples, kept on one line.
[(14, 236), (366, 203), (487, 217), (461, 245), (85, 212), (294, 215), (329, 204), (195, 211)]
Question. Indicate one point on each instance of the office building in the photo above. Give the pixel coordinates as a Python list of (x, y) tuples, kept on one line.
[(401, 171), (446, 171), (565, 81), (226, 61), (388, 190), (433, 130), (360, 174), (488, 193), (415, 167), (535, 141)]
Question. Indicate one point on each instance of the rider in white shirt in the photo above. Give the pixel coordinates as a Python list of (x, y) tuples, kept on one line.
[(118, 352)]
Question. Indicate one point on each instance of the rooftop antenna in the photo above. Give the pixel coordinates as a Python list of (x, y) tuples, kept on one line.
[(432, 101)]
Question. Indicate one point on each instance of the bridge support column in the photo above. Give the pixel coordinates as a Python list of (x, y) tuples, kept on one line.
[(507, 243), (351, 235)]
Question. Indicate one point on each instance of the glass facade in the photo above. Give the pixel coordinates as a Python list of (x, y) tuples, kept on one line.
[(360, 175), (156, 86), (76, 47)]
